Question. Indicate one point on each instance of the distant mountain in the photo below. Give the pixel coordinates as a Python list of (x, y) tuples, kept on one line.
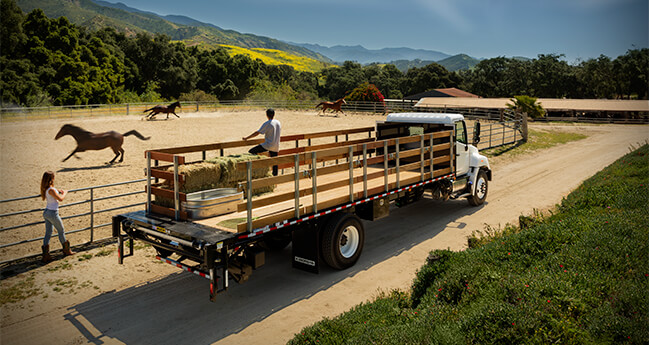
[(458, 62), (99, 14), (364, 56), (405, 65)]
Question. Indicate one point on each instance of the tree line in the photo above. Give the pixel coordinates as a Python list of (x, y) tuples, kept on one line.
[(47, 61)]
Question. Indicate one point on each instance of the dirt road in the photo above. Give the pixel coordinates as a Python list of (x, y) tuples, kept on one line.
[(143, 302)]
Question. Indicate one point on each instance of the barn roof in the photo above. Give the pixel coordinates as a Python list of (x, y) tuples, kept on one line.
[(447, 92), (549, 104)]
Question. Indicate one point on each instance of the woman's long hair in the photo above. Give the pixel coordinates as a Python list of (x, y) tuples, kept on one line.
[(46, 182)]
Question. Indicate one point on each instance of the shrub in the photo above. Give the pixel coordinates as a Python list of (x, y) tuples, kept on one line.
[(366, 92)]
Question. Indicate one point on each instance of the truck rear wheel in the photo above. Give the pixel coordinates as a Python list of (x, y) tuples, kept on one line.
[(342, 241), (481, 189)]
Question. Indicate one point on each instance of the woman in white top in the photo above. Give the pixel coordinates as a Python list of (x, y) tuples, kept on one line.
[(51, 215)]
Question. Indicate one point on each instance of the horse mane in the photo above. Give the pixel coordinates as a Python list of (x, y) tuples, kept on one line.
[(72, 129)]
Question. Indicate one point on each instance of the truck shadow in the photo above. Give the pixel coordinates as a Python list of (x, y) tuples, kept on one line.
[(176, 309)]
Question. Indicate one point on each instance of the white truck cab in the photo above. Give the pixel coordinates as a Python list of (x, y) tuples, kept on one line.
[(471, 169)]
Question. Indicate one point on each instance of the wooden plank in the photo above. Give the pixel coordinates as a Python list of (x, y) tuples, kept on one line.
[(168, 175), (165, 193), (165, 157), (338, 132), (169, 212), (295, 137)]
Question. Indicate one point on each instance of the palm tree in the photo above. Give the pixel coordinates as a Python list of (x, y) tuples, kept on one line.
[(528, 105)]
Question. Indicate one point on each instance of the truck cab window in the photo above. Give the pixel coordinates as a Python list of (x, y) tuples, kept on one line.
[(460, 132)]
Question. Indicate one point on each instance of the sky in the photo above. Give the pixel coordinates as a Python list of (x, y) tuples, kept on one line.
[(578, 29)]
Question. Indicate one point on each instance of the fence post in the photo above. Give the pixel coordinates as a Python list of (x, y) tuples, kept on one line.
[(490, 128), (92, 215), (524, 126)]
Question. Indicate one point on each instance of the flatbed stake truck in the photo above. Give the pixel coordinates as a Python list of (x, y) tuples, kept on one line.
[(321, 197)]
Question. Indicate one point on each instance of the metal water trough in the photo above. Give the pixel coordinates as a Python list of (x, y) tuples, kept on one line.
[(211, 202)]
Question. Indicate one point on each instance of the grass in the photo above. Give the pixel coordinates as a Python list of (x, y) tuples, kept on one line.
[(579, 275), (537, 140), (19, 291)]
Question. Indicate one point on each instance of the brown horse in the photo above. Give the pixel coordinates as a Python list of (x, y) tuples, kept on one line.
[(335, 106), (165, 109), (96, 141)]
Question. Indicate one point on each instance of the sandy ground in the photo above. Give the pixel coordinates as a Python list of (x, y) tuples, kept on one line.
[(78, 300)]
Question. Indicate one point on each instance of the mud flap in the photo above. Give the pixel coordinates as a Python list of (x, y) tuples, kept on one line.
[(306, 247)]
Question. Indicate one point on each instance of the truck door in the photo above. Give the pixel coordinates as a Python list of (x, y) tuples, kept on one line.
[(461, 149)]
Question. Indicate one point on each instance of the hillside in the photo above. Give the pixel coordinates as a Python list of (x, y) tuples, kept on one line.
[(278, 57), (453, 63), (99, 14), (458, 62)]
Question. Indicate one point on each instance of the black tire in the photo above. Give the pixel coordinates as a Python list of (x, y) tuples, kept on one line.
[(342, 240), (276, 242), (481, 189)]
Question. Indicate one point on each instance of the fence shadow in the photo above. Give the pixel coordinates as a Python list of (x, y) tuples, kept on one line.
[(176, 308)]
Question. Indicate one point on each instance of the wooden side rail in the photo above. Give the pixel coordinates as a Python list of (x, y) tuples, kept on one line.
[(167, 175), (333, 185), (286, 215), (395, 151), (242, 143), (336, 152), (164, 156), (165, 193), (169, 212), (324, 146)]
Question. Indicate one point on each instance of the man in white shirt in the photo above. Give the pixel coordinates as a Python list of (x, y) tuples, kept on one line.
[(271, 130)]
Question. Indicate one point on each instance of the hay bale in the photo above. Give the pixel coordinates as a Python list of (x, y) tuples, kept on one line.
[(218, 172)]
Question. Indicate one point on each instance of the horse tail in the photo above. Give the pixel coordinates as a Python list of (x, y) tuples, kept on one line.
[(148, 110), (319, 104), (137, 134)]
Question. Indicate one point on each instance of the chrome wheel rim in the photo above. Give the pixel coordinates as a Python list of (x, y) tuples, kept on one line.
[(349, 241)]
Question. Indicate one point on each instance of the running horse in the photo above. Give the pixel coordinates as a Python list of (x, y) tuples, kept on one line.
[(335, 106), (97, 141), (166, 109)]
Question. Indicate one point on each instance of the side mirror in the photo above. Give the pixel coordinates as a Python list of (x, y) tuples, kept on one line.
[(476, 133)]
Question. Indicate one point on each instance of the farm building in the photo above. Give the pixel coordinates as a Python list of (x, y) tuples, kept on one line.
[(448, 92), (571, 108)]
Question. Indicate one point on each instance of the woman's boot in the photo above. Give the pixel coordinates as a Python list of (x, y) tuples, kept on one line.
[(46, 254), (66, 249)]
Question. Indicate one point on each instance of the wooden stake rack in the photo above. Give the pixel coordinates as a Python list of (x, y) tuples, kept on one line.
[(175, 156), (315, 177)]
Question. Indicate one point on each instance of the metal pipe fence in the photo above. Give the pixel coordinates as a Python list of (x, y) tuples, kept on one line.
[(390, 105), (91, 211)]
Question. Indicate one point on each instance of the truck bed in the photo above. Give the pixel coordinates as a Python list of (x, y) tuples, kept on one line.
[(186, 230), (267, 215)]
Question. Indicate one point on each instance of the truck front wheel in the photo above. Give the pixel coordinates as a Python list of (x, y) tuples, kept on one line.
[(342, 240), (481, 189)]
